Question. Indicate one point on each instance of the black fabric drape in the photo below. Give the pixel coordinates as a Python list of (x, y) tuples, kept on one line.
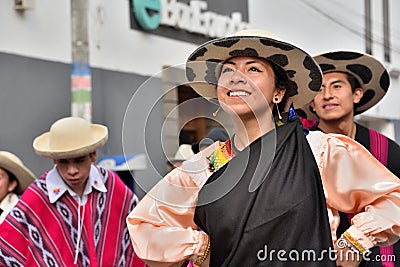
[(286, 212)]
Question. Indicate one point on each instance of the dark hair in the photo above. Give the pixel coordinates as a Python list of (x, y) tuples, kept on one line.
[(281, 82), (354, 83), (12, 177)]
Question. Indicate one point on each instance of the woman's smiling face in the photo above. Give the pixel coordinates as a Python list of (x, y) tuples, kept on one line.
[(246, 86)]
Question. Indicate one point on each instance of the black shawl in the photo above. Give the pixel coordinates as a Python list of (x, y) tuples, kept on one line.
[(286, 210)]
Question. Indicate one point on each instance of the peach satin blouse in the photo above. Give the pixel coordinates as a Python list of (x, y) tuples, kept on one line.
[(163, 232)]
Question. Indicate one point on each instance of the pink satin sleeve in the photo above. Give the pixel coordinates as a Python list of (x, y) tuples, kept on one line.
[(161, 226), (355, 182)]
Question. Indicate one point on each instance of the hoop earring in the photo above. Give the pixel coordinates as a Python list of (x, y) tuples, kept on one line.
[(216, 112), (279, 122)]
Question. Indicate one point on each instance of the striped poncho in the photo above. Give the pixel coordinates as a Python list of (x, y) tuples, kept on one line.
[(38, 233)]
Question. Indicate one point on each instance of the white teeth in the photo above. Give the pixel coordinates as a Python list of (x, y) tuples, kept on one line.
[(238, 93)]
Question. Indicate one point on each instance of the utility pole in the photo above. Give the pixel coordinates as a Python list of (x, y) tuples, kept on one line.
[(81, 80)]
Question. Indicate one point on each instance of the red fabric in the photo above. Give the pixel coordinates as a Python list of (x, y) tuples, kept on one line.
[(379, 149), (38, 233), (308, 123), (379, 145)]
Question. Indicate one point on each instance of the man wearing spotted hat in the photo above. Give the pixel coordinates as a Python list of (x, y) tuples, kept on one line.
[(354, 82), (73, 215)]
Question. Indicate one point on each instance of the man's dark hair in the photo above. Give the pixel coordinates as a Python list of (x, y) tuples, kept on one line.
[(11, 176), (353, 82)]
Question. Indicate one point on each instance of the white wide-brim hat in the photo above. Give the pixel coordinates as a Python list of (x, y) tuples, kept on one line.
[(369, 72), (11, 163), (204, 64), (70, 137), (183, 153)]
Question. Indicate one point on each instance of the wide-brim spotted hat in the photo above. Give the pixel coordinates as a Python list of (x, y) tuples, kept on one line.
[(204, 64), (13, 164), (70, 137), (370, 73)]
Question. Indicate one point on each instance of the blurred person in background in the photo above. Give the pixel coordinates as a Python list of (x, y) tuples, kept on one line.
[(214, 135), (15, 177), (183, 153)]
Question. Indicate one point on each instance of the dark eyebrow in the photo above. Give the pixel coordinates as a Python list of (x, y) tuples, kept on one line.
[(334, 82), (337, 81), (229, 62), (78, 158), (247, 63), (251, 62)]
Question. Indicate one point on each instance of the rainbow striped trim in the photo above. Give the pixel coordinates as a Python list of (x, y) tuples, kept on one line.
[(221, 156)]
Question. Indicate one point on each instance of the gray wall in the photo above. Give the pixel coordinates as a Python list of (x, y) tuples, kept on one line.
[(35, 93), (397, 130), (130, 106)]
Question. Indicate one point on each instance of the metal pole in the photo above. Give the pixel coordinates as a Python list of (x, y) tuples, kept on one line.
[(81, 81), (386, 31)]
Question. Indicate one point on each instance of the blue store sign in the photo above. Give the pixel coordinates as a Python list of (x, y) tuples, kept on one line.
[(147, 13)]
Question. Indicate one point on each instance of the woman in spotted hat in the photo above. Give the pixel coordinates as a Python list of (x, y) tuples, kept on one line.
[(268, 196)]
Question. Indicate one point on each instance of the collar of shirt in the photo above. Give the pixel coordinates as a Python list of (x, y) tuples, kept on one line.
[(57, 187)]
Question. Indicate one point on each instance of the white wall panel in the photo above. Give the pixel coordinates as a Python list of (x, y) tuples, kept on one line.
[(42, 32), (115, 46), (315, 25)]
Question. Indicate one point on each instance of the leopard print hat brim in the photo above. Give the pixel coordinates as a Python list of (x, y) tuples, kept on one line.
[(204, 64)]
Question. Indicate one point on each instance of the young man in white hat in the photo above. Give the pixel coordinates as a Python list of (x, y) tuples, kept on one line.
[(73, 214), (354, 82), (15, 177)]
